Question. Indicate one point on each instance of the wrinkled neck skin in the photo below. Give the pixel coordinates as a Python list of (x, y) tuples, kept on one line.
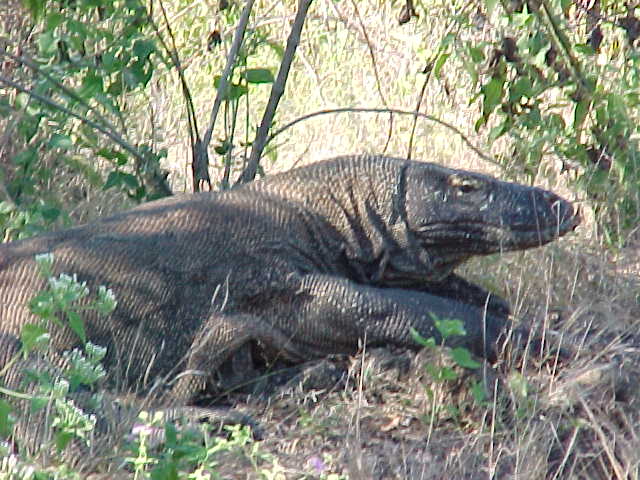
[(365, 204)]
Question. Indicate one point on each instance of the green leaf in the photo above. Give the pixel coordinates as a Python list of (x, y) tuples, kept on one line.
[(36, 7), (447, 40), (223, 147), (476, 53), (34, 337), (117, 179), (77, 325), (492, 92), (129, 180), (80, 28), (38, 403), (110, 154), (50, 213), (580, 113), (6, 208), (43, 305), (91, 84), (234, 91), (5, 106), (524, 18), (6, 419), (462, 357), (490, 5), (113, 180), (62, 439), (584, 49), (22, 100), (499, 130), (137, 74), (53, 20), (47, 43), (449, 328), (170, 434), (258, 75), (28, 126), (556, 122), (440, 61), (616, 107), (441, 374), (420, 340), (143, 49), (58, 140), (520, 88)]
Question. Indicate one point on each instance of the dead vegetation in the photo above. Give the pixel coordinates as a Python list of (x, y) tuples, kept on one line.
[(567, 409)]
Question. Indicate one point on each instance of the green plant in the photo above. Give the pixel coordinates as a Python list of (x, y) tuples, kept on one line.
[(91, 61), (558, 91), (440, 370), (52, 388), (186, 453)]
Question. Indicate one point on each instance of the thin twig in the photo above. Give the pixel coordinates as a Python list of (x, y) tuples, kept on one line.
[(277, 90), (226, 73), (375, 72), (96, 126), (387, 110), (414, 124), (199, 175), (428, 78), (67, 91)]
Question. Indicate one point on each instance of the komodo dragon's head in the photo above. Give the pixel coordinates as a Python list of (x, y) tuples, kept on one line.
[(451, 215)]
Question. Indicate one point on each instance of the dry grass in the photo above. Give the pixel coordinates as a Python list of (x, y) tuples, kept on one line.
[(573, 415)]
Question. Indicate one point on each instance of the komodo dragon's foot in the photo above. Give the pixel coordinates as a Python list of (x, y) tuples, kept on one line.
[(189, 419)]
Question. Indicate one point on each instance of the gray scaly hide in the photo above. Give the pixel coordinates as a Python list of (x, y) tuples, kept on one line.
[(309, 262)]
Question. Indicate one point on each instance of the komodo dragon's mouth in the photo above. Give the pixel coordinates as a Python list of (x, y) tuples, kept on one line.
[(482, 237)]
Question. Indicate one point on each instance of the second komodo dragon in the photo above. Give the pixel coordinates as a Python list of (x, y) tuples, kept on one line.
[(307, 263)]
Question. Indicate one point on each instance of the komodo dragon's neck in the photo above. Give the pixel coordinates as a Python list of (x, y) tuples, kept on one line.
[(362, 198)]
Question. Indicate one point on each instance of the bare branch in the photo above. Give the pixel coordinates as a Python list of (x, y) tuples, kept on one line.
[(376, 74), (477, 151), (199, 158), (277, 90)]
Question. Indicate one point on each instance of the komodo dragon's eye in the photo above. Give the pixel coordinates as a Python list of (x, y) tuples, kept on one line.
[(463, 184)]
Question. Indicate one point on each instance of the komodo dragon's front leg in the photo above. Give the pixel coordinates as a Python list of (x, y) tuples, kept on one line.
[(322, 314), (336, 314), (459, 289)]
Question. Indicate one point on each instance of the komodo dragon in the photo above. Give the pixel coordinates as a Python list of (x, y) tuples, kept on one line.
[(308, 262)]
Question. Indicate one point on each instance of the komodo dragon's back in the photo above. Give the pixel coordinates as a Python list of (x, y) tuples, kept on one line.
[(308, 262)]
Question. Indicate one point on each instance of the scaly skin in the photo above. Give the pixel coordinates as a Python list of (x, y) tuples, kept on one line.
[(308, 262)]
